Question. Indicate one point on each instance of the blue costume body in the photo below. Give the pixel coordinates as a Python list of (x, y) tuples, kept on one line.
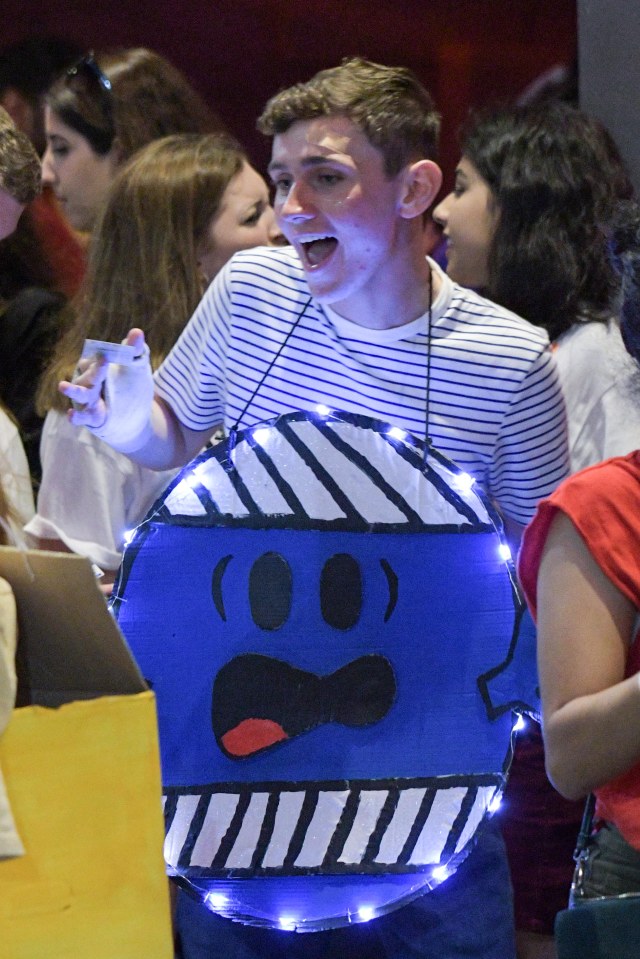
[(357, 741)]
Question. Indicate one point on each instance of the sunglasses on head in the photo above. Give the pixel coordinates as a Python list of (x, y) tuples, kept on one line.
[(88, 66), (92, 119)]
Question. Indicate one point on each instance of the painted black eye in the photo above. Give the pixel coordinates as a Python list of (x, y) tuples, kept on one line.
[(341, 591), (270, 584)]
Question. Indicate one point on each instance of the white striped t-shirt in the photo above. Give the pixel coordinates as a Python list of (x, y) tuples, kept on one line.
[(495, 405)]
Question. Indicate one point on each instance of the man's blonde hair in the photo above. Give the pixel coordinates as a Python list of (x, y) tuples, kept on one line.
[(388, 104), (20, 173)]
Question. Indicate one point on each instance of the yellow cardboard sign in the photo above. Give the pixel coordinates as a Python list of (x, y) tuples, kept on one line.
[(83, 779)]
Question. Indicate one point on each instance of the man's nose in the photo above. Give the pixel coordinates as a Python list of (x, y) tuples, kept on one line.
[(296, 206)]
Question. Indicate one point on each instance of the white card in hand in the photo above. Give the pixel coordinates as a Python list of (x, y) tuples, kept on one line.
[(113, 352)]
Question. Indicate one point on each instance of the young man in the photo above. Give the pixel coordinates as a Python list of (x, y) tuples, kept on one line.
[(19, 185), (352, 315), (19, 174)]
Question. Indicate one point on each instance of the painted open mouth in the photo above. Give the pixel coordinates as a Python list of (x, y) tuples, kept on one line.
[(317, 252), (259, 701)]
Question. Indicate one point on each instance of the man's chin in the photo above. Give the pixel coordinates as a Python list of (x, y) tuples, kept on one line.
[(323, 291)]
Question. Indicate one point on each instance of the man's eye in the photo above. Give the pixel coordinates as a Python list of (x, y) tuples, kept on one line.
[(329, 179), (282, 186)]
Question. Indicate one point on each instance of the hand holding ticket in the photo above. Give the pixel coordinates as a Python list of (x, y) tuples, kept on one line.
[(112, 352), (100, 351), (112, 389)]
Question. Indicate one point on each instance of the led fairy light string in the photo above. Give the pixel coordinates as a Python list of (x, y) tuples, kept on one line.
[(292, 819)]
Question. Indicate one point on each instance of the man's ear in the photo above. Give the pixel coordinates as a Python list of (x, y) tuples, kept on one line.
[(421, 183), (18, 108)]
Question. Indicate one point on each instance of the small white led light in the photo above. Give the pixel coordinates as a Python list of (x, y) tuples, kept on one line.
[(504, 551), (192, 479), (127, 536), (520, 724), (323, 410), (463, 481), (366, 913), (287, 922), (440, 873), (396, 433), (495, 803), (261, 436), (215, 900)]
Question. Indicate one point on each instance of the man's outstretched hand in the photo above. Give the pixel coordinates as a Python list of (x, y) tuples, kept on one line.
[(114, 399), (87, 389)]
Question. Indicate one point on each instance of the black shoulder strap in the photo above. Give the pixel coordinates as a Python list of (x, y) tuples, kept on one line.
[(585, 826)]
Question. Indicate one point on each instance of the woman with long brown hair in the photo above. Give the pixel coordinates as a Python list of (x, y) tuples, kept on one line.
[(174, 214)]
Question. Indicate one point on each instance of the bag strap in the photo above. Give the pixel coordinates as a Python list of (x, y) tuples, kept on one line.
[(582, 841)]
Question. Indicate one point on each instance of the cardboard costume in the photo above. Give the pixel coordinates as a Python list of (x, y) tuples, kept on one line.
[(327, 618), (82, 768)]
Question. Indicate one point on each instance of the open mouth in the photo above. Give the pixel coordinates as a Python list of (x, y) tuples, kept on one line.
[(317, 252), (259, 701)]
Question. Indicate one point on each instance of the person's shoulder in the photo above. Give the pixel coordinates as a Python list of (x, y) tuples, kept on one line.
[(591, 360), (261, 275), (590, 338), (607, 480), (9, 432), (470, 308)]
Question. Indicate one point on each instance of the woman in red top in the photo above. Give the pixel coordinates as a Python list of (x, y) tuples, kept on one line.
[(580, 571)]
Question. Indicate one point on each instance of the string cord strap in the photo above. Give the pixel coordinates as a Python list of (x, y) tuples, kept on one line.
[(294, 325), (427, 437), (427, 405)]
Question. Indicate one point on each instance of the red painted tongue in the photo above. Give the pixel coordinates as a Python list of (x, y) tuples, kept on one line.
[(319, 250), (251, 735)]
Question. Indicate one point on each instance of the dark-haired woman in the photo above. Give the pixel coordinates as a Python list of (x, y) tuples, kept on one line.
[(104, 109), (528, 223)]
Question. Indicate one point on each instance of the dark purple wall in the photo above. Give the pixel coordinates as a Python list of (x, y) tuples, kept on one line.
[(239, 52)]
